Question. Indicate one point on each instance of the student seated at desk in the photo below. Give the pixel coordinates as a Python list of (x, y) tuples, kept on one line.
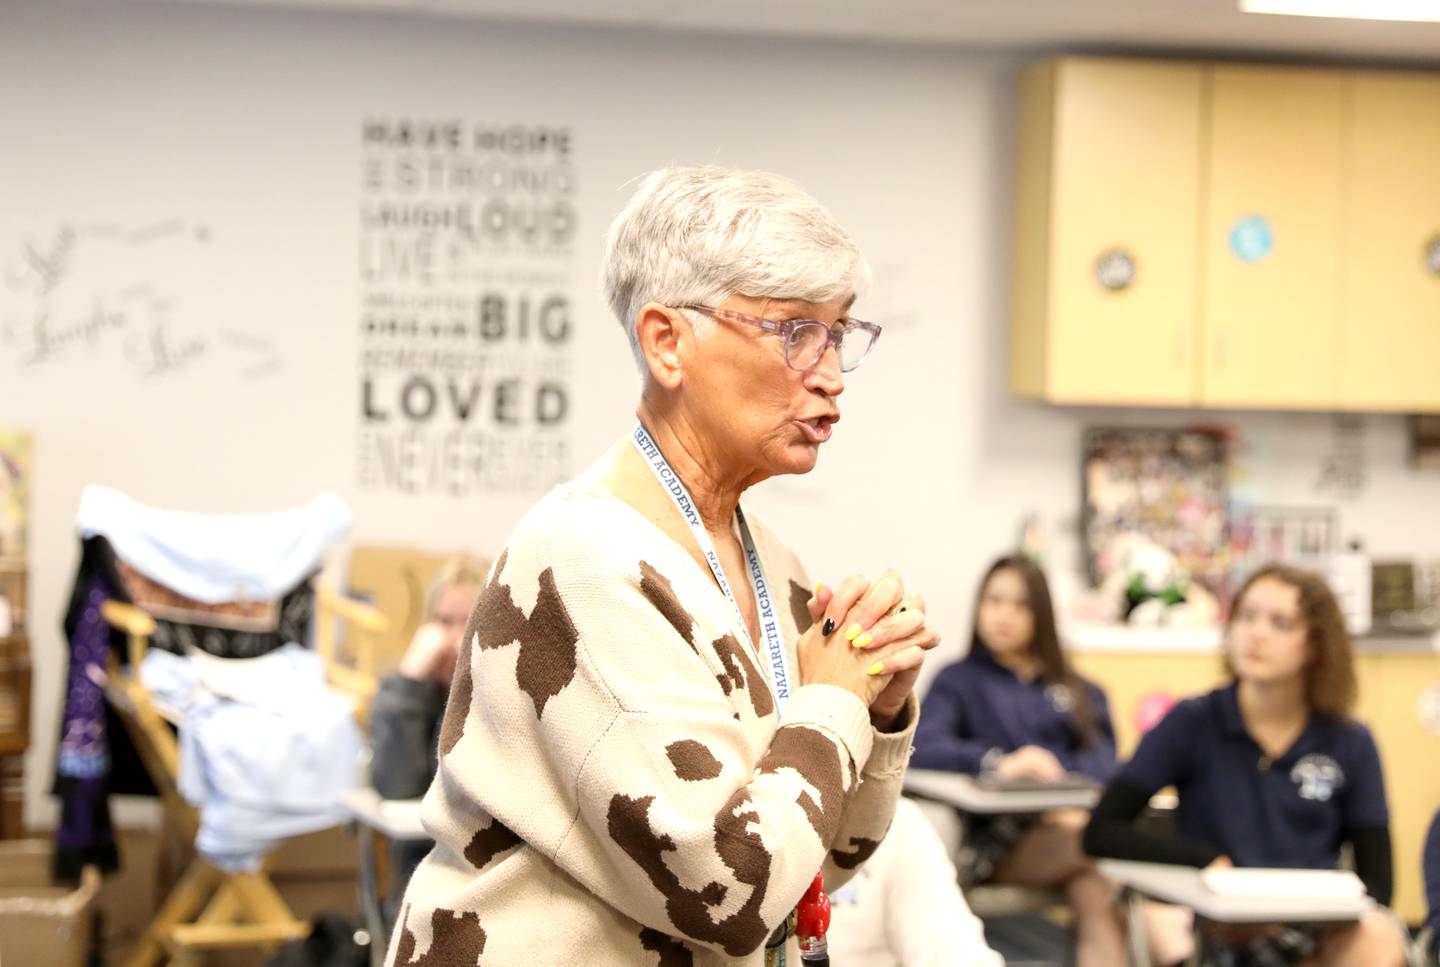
[(1013, 707), (1432, 886), (406, 714), (1271, 772)]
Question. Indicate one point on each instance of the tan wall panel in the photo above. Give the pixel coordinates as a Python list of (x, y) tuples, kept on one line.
[(1390, 335), (1127, 173), (1029, 279), (1271, 326)]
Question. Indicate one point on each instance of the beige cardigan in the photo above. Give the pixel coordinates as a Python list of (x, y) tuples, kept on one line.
[(614, 786)]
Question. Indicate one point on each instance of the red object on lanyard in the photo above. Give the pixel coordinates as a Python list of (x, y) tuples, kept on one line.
[(812, 919)]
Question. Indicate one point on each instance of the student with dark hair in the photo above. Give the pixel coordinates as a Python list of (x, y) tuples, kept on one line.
[(1271, 772), (1014, 708)]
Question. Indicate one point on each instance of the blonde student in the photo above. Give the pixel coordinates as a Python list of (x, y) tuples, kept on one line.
[(1271, 771), (410, 703)]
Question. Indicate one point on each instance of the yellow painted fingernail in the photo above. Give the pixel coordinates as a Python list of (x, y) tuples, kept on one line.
[(852, 631), (876, 668), (864, 640), (819, 586)]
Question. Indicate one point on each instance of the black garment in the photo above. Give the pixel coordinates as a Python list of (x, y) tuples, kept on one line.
[(1295, 810), (988, 843), (405, 734), (1374, 863), (1285, 946), (1111, 833), (1431, 869), (84, 835), (334, 941)]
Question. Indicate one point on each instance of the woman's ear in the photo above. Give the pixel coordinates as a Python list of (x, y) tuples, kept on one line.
[(659, 331)]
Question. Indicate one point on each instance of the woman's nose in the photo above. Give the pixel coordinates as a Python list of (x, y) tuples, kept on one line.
[(825, 375)]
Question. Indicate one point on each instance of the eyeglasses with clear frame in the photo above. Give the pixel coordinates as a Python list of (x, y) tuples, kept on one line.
[(806, 340)]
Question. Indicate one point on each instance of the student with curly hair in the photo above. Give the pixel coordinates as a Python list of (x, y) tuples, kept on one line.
[(1271, 772)]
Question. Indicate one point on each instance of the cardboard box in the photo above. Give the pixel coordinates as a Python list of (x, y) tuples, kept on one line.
[(41, 923)]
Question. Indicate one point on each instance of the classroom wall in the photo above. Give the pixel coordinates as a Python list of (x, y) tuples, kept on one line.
[(204, 349)]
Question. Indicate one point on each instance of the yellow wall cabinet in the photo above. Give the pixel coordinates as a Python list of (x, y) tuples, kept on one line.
[(1271, 261), (1104, 286), (1390, 251), (1227, 236)]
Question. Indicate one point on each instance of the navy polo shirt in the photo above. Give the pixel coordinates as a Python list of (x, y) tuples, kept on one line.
[(1293, 811), (977, 705), (1432, 880)]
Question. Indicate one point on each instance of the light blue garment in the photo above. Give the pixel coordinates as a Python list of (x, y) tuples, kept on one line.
[(214, 558), (266, 748)]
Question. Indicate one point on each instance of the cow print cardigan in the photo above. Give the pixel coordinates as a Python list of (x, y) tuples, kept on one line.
[(614, 786)]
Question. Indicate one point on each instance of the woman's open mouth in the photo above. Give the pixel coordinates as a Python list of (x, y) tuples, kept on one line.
[(818, 429)]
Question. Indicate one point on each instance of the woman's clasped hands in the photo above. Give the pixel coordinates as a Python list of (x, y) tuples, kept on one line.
[(869, 638)]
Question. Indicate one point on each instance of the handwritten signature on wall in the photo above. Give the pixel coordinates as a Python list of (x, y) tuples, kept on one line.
[(60, 311)]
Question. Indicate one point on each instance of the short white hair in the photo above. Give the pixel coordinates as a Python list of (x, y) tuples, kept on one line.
[(699, 235)]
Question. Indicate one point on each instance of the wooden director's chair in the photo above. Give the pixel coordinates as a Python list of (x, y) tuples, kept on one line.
[(210, 908)]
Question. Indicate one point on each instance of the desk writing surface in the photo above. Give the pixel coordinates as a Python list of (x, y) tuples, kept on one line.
[(396, 818), (1185, 886), (964, 793)]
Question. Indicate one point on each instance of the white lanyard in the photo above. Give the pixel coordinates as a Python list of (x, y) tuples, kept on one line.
[(778, 661)]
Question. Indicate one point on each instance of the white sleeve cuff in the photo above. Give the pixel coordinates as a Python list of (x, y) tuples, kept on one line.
[(891, 752)]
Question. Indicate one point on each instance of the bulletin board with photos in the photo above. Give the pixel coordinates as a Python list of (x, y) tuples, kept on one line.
[(1168, 485)]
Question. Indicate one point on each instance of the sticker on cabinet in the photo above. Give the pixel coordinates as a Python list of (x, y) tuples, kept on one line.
[(1432, 255), (1251, 238)]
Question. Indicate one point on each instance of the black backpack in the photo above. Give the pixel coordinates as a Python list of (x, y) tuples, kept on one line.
[(334, 941)]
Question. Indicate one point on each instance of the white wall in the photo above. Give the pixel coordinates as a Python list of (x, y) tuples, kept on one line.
[(248, 124)]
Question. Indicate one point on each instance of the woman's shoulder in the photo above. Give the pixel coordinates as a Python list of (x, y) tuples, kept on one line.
[(577, 521), (599, 556)]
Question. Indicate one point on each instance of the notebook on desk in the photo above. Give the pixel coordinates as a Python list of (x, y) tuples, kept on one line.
[(1319, 884), (1071, 783)]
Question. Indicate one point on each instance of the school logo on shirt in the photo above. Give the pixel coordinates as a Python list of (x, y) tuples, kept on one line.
[(1318, 776), (1060, 699)]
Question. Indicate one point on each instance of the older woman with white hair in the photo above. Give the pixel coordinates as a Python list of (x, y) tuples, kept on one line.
[(659, 730)]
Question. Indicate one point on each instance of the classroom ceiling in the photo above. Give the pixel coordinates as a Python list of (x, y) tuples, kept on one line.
[(1201, 25)]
